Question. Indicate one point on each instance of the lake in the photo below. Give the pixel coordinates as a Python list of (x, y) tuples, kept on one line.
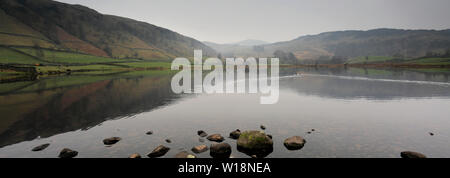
[(354, 112)]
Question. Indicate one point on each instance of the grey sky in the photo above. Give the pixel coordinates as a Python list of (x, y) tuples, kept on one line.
[(226, 21)]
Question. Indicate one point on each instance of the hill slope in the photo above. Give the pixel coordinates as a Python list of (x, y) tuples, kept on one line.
[(352, 44), (378, 42), (58, 26)]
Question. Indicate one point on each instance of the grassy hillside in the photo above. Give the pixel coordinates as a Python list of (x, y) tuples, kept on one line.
[(58, 26)]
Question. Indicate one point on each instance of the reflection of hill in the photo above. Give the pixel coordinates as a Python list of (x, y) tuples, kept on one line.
[(61, 110), (354, 88)]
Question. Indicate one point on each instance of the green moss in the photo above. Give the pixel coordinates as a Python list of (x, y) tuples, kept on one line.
[(254, 140)]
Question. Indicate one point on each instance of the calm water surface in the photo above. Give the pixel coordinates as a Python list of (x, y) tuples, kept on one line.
[(355, 112)]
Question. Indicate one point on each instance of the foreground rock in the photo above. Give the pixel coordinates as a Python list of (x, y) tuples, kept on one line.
[(135, 155), (161, 150), (294, 143), (220, 150), (215, 138), (112, 140), (199, 149), (255, 143), (412, 154), (67, 153), (41, 147), (184, 154), (202, 133), (235, 134)]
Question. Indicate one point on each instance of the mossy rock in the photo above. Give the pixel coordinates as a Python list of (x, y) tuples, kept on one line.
[(255, 143)]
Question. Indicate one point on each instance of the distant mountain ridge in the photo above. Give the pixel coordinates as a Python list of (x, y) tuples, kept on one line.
[(377, 42), (250, 42), (55, 25), (350, 44)]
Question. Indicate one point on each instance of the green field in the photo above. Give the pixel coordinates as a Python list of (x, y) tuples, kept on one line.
[(430, 61), (62, 57), (145, 64), (47, 61), (9, 56)]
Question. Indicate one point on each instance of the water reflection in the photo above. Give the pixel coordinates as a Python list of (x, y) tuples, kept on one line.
[(46, 110), (342, 104)]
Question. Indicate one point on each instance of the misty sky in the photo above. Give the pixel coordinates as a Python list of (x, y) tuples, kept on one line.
[(227, 21)]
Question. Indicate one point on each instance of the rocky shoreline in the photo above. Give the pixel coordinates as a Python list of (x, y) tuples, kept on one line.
[(254, 143)]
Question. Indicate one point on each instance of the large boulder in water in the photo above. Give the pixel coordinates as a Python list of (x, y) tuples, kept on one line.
[(255, 143)]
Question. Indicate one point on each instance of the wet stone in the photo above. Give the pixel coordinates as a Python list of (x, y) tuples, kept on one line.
[(255, 143), (215, 138), (135, 155), (294, 143), (202, 133), (220, 150), (111, 141), (199, 149), (41, 147), (411, 154), (159, 151), (235, 134), (67, 153), (184, 154)]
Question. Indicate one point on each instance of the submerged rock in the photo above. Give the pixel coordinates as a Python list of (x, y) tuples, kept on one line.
[(149, 132), (313, 130), (220, 150), (199, 149), (202, 133), (215, 138), (168, 141), (135, 155), (294, 143), (111, 141), (412, 154), (201, 140), (255, 143), (161, 150), (431, 133), (184, 154), (41, 147), (67, 153), (308, 132), (235, 134)]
